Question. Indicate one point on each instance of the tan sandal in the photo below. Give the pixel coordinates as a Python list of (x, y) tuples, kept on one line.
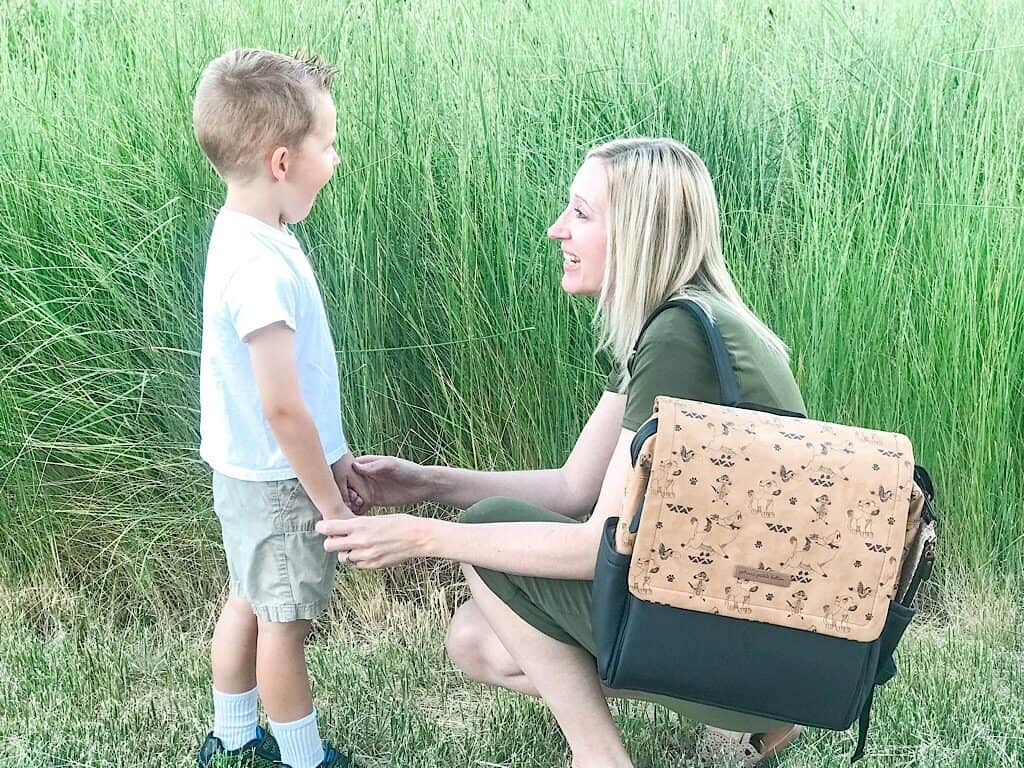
[(717, 747)]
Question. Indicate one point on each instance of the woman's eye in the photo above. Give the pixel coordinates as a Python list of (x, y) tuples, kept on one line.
[(580, 214)]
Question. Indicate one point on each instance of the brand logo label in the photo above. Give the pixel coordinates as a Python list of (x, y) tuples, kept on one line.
[(764, 576)]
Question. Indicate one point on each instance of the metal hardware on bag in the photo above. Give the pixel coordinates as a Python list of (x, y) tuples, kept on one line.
[(922, 574), (648, 428)]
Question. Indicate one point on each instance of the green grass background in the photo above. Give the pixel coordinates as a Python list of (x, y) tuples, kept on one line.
[(869, 165), (870, 169)]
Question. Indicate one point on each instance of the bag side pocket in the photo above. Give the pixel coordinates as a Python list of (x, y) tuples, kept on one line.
[(896, 623), (609, 595)]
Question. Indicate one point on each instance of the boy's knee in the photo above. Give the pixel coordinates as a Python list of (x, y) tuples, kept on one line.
[(497, 509), (239, 607), (284, 630)]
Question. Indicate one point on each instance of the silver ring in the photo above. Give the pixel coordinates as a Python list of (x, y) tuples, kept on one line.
[(348, 558)]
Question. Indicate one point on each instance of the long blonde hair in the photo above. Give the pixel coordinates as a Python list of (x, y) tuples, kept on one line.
[(663, 241)]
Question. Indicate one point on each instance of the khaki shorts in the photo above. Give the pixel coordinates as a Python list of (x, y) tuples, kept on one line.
[(276, 559)]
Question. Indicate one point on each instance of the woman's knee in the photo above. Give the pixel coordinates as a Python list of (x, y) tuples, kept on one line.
[(471, 645), (496, 509), (461, 643)]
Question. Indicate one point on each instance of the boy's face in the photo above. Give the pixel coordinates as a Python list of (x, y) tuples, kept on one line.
[(312, 165)]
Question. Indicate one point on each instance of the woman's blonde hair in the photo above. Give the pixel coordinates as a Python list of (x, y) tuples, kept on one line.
[(663, 241)]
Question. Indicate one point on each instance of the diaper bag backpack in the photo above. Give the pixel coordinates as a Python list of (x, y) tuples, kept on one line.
[(763, 562)]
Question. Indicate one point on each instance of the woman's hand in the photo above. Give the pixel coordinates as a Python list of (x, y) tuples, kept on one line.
[(352, 486), (376, 542), (391, 482)]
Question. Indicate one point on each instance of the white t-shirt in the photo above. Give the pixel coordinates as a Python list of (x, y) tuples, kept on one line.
[(257, 275)]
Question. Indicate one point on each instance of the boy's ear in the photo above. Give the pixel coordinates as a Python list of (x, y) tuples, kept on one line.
[(279, 160)]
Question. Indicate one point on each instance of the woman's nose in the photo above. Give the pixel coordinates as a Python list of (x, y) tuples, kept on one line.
[(558, 230)]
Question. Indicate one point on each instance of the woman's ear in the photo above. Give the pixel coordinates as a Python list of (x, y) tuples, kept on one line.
[(279, 160)]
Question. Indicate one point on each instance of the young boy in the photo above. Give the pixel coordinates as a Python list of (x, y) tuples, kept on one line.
[(270, 411)]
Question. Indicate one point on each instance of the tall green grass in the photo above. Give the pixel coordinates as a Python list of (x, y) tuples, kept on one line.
[(867, 157)]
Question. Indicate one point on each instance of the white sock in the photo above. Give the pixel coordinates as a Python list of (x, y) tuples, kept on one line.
[(299, 742), (235, 717)]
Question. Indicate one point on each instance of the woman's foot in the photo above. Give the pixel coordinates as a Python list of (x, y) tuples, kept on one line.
[(727, 748)]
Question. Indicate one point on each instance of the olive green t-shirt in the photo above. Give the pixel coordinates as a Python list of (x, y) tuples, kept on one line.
[(674, 359)]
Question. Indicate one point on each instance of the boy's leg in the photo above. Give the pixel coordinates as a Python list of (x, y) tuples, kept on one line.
[(233, 654), (281, 669), (233, 662), (284, 689), (289, 579)]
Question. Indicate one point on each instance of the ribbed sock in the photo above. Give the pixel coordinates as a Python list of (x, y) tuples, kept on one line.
[(299, 742), (235, 717)]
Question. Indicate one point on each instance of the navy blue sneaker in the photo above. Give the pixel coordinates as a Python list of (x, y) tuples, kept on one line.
[(332, 759), (261, 746)]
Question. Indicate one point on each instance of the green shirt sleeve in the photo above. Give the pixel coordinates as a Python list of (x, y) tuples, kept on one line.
[(673, 360), (611, 384)]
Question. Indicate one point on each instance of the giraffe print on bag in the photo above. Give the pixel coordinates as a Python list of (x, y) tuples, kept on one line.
[(823, 505)]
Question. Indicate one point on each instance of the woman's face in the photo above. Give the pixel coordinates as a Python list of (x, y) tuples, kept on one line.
[(582, 231)]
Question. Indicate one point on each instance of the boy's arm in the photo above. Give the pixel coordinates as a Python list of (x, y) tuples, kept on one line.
[(272, 353)]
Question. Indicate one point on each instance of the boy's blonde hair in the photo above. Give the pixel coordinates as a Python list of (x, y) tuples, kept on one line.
[(663, 241), (249, 101)]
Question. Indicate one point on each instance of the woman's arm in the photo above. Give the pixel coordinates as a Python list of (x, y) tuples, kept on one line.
[(571, 490), (552, 550)]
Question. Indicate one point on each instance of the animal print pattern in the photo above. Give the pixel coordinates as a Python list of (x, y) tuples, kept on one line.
[(737, 502)]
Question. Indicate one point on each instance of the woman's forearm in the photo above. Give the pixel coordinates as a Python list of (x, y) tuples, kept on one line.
[(551, 550), (547, 488)]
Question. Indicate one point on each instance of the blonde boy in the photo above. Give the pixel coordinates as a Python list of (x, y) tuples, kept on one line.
[(270, 412)]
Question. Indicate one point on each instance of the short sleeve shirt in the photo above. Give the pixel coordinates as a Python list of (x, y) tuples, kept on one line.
[(256, 276), (674, 360)]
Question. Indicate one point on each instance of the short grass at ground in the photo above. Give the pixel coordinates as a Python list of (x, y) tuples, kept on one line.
[(84, 688)]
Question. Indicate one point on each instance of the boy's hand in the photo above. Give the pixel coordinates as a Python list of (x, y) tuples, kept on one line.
[(354, 489), (341, 512)]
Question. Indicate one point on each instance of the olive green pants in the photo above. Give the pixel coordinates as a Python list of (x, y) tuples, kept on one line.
[(561, 608)]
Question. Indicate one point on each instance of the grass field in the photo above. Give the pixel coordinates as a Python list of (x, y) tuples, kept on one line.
[(871, 178), (383, 688)]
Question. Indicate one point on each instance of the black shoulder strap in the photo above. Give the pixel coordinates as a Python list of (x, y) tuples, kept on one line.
[(728, 388)]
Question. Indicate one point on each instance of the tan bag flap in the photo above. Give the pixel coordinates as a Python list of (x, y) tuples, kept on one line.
[(770, 518)]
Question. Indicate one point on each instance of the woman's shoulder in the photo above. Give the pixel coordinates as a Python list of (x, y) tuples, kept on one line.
[(675, 350), (671, 327)]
